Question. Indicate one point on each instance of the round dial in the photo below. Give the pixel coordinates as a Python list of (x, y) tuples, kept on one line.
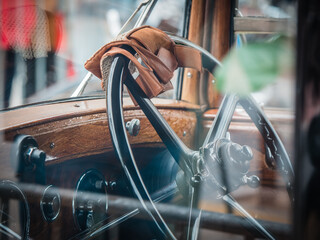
[(50, 203), (90, 202)]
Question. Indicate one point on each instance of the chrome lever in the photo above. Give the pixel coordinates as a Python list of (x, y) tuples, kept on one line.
[(79, 90), (138, 24)]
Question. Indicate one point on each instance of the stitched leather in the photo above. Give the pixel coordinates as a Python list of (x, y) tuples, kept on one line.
[(153, 55)]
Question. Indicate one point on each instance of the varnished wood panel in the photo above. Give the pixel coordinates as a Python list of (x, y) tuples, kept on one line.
[(190, 88), (33, 115), (206, 44), (76, 138), (77, 129), (220, 42), (260, 25)]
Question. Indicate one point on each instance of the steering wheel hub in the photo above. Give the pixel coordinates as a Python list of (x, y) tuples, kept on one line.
[(227, 164)]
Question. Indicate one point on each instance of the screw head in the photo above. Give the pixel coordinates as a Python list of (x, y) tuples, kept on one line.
[(195, 180), (253, 181)]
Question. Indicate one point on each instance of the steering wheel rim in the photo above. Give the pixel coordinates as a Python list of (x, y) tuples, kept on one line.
[(123, 149), (174, 144)]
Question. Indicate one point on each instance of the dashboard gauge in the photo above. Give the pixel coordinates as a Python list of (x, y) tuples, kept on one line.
[(50, 203), (14, 212), (90, 201)]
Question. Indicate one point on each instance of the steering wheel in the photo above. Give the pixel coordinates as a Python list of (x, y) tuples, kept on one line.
[(219, 162)]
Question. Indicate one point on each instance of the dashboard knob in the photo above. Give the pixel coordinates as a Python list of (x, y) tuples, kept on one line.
[(50, 204), (133, 127), (90, 202)]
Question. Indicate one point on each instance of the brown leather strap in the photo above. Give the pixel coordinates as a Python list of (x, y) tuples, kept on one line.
[(146, 80), (156, 58), (188, 57)]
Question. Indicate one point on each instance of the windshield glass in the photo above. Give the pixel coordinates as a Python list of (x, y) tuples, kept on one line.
[(44, 44), (217, 164)]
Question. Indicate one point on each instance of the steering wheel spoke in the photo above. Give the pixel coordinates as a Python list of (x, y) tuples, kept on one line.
[(222, 121), (272, 140), (120, 141), (230, 201), (180, 152)]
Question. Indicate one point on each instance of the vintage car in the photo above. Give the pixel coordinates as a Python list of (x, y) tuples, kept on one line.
[(156, 153)]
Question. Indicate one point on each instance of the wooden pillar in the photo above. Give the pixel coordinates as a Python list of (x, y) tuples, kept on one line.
[(206, 44), (210, 24), (190, 88), (220, 40)]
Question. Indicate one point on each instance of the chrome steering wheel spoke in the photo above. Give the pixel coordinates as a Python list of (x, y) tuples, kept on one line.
[(222, 121)]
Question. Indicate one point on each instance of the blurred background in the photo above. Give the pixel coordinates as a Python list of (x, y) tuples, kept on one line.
[(45, 43)]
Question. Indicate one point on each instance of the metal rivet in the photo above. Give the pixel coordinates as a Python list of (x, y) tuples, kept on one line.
[(213, 81), (52, 145), (184, 133), (196, 180), (189, 75)]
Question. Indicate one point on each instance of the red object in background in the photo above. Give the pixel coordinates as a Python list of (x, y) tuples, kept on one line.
[(18, 20), (70, 69)]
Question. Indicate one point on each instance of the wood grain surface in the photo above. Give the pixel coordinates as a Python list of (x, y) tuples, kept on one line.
[(76, 129), (190, 88), (76, 138)]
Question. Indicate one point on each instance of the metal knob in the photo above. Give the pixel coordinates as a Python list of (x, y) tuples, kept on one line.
[(50, 203), (133, 127), (35, 155), (239, 156), (242, 153)]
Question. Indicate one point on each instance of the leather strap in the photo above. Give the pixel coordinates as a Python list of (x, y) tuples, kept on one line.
[(153, 55)]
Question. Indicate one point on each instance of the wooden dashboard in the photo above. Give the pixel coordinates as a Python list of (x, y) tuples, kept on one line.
[(75, 137)]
